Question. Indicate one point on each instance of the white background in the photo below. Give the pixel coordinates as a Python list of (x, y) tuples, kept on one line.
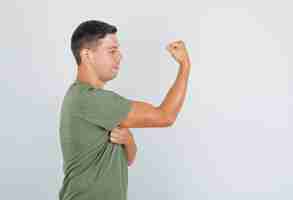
[(233, 137)]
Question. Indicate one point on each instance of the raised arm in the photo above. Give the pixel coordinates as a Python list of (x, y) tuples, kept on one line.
[(143, 114)]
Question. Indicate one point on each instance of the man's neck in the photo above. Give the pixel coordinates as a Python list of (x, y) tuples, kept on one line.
[(84, 75)]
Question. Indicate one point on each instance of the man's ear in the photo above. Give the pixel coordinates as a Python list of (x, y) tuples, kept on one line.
[(85, 56)]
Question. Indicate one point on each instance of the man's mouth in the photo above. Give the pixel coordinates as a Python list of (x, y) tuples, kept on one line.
[(116, 67)]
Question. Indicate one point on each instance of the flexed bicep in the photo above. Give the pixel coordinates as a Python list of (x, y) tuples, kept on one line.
[(143, 114)]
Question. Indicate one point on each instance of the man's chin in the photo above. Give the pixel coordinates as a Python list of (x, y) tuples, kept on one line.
[(113, 76)]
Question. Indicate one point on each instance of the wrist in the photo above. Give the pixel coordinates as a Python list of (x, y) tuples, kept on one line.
[(185, 64)]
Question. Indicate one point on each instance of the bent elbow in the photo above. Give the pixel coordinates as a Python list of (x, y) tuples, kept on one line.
[(171, 120), (130, 162)]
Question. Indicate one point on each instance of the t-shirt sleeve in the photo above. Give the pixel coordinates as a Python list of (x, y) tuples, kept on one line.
[(104, 108)]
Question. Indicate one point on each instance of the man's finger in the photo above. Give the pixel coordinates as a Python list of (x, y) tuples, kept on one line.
[(115, 129), (113, 140), (115, 135)]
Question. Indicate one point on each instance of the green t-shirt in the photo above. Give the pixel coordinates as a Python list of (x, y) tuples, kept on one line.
[(94, 167)]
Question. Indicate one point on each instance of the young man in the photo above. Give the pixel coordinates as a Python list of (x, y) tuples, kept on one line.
[(97, 145)]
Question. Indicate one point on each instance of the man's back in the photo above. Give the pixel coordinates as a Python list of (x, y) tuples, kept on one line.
[(94, 168)]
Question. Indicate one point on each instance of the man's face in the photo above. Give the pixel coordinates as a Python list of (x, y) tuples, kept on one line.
[(107, 58)]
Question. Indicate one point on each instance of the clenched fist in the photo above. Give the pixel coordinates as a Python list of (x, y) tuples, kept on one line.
[(178, 52), (120, 135)]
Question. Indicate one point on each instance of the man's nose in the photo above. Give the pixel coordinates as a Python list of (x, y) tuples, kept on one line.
[(120, 56)]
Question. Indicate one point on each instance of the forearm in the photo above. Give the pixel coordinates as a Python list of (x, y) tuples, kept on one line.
[(130, 149), (176, 94)]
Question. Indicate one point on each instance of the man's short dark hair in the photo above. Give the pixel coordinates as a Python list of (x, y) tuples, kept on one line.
[(87, 34)]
